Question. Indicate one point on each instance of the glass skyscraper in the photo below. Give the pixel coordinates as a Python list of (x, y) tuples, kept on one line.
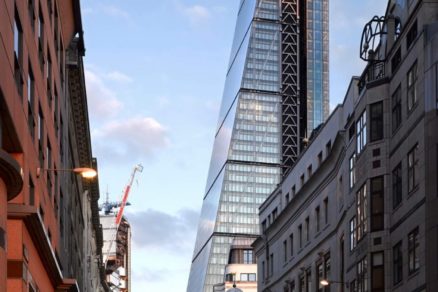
[(276, 91)]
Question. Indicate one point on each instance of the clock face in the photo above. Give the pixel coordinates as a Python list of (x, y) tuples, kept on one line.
[(371, 37)]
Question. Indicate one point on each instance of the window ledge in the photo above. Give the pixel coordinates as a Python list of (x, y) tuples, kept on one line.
[(413, 274), (395, 131), (395, 209), (412, 109), (413, 191), (397, 285)]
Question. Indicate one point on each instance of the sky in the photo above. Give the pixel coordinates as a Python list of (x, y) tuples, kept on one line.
[(155, 71)]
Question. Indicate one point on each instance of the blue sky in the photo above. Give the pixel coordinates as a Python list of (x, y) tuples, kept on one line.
[(155, 72)]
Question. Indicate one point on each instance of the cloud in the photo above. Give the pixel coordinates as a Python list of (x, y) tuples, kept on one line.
[(102, 102), (159, 230), (130, 139), (196, 13), (119, 77)]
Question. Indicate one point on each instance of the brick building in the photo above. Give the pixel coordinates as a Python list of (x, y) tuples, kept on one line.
[(50, 236)]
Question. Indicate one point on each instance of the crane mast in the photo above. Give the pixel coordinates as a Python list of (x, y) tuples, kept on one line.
[(121, 205), (138, 168)]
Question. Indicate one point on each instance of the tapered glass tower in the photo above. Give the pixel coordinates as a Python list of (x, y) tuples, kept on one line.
[(276, 90)]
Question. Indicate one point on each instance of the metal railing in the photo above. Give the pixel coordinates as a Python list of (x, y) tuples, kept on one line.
[(374, 71)]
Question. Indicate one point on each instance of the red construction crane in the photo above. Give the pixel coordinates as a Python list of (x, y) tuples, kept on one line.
[(122, 204), (138, 168)]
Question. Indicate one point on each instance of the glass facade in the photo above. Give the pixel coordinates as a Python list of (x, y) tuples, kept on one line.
[(247, 154), (317, 63)]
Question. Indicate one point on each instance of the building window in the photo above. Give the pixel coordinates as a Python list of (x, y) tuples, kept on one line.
[(293, 191), (377, 204), (41, 137), (412, 91), (300, 233), (351, 132), (377, 272), (317, 215), (307, 229), (320, 276), (396, 109), (292, 287), (323, 272), (308, 280), (395, 61), (320, 158), (241, 256), (271, 264), (49, 80), (397, 193), (31, 192), (398, 28), (328, 148), (41, 56), (353, 286), (245, 277), (31, 8), (61, 214), (353, 232), (302, 283), (274, 214), (361, 132), (18, 54), (287, 198), (397, 263), (31, 103), (302, 180), (361, 213), (40, 26), (413, 168), (376, 116), (411, 35), (352, 167), (40, 126), (263, 270), (49, 154), (327, 269), (326, 211), (413, 252), (248, 256), (291, 244), (362, 267), (309, 171), (285, 250)]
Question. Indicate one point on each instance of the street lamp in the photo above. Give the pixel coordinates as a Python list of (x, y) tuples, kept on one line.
[(85, 172), (326, 282)]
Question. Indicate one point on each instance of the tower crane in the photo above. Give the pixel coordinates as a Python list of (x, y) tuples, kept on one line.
[(138, 168), (107, 207)]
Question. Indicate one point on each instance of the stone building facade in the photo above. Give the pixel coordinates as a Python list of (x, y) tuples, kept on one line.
[(358, 209)]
